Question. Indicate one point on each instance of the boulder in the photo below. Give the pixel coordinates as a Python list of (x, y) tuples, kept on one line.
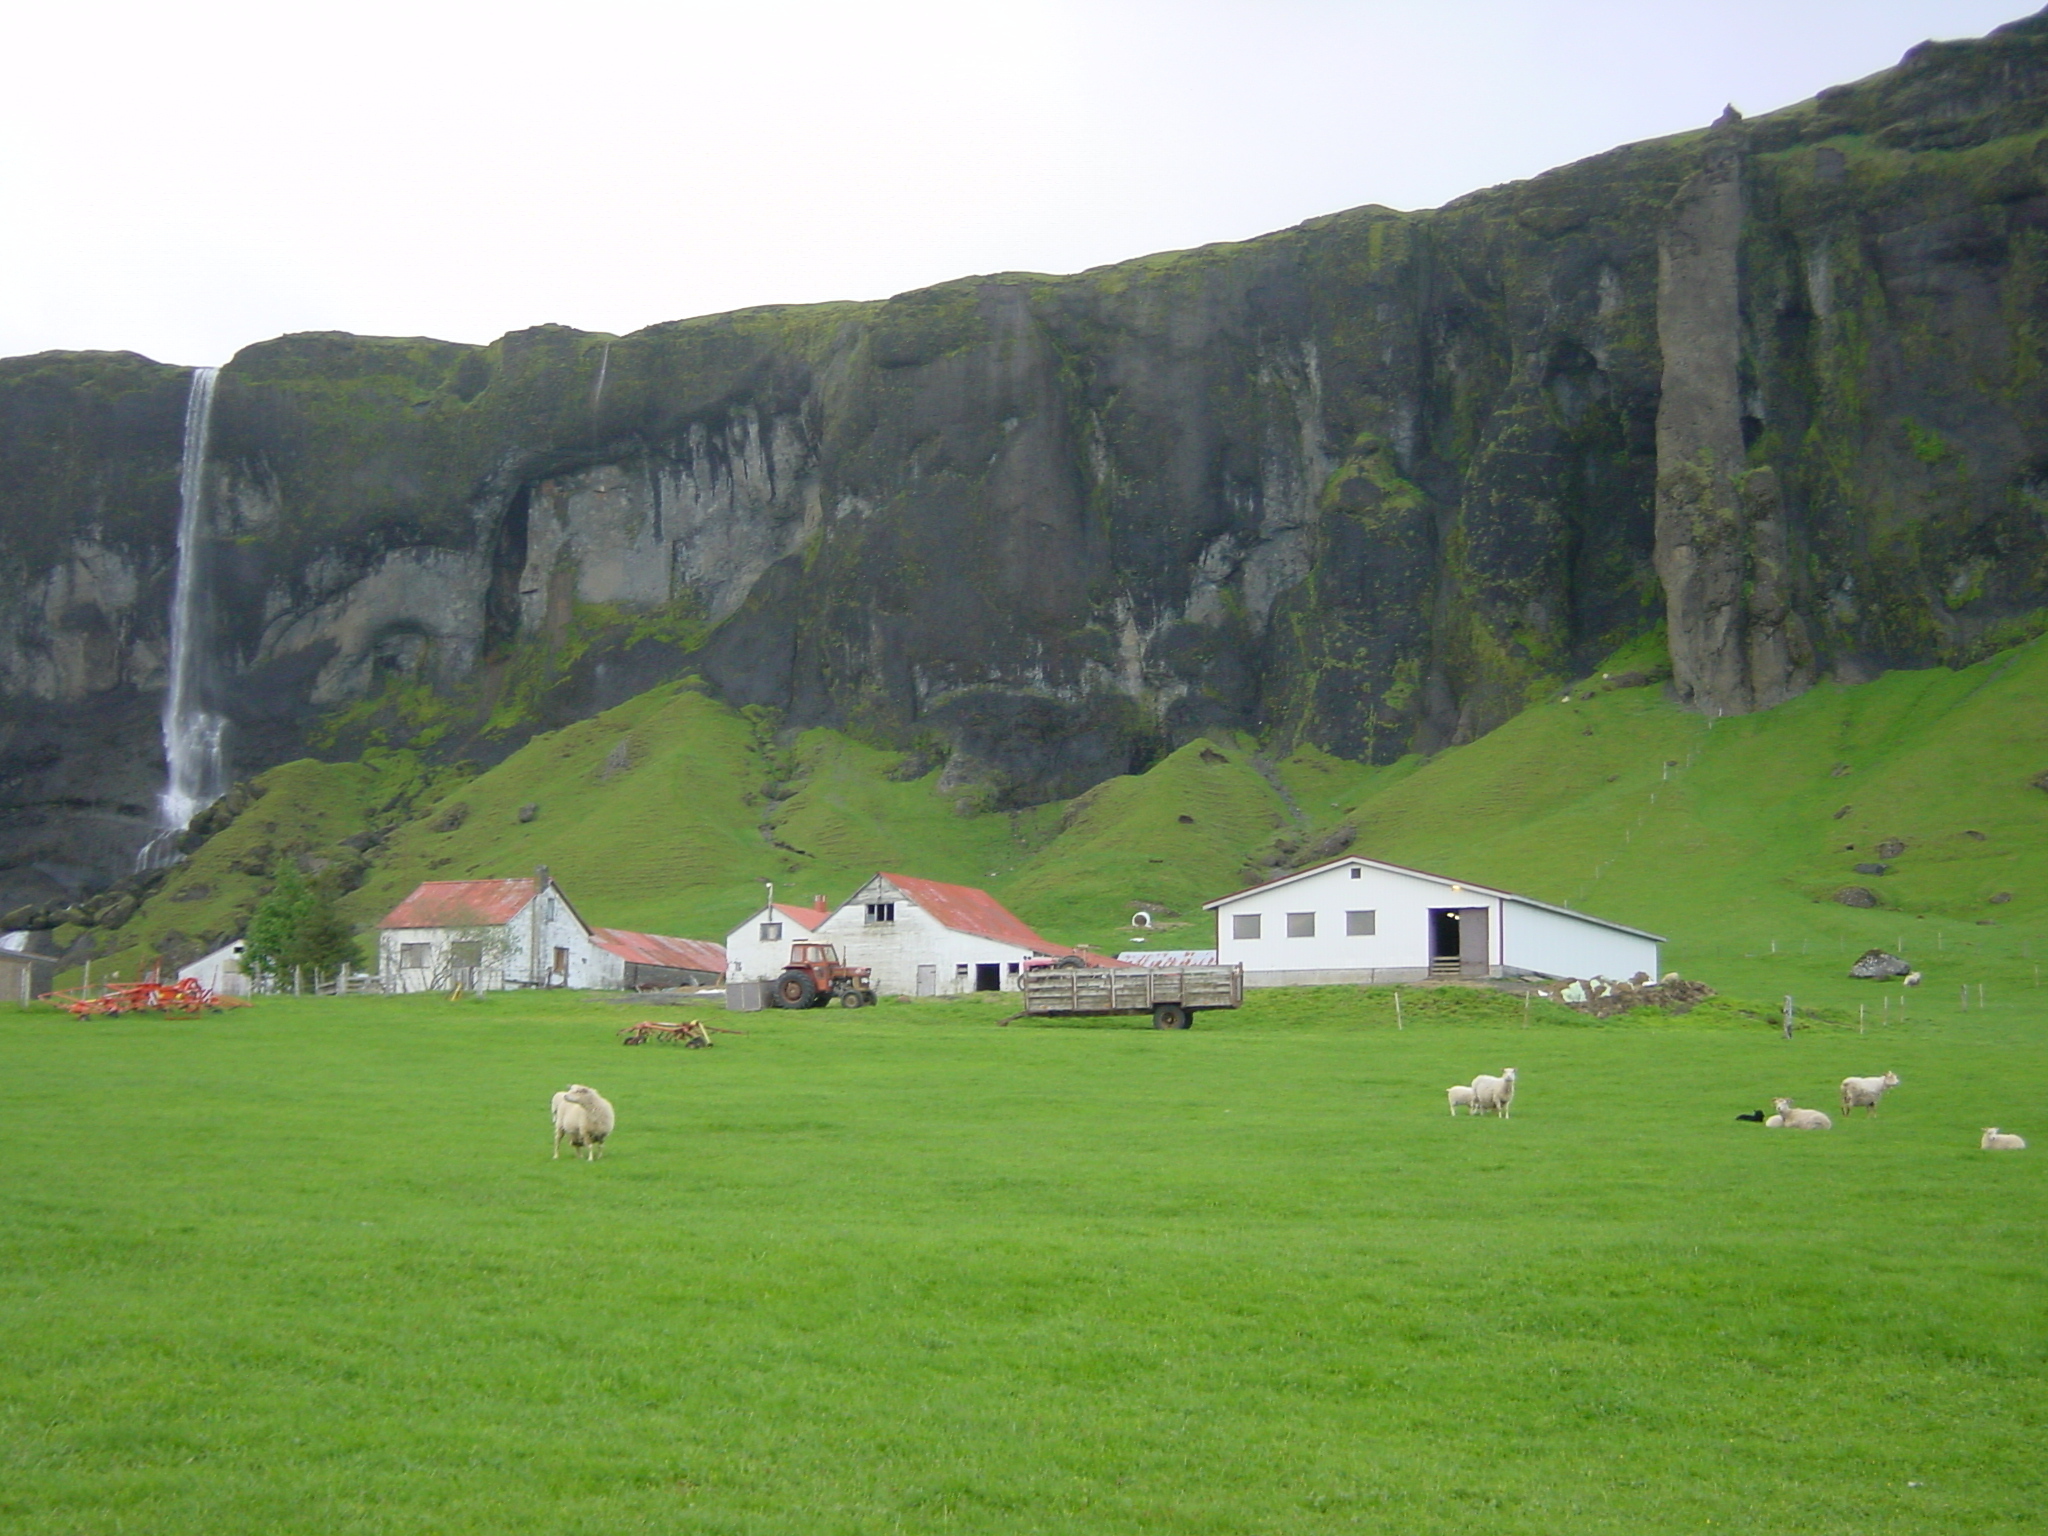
[(1878, 965), (1890, 848), (1872, 869), (528, 812), (1856, 896)]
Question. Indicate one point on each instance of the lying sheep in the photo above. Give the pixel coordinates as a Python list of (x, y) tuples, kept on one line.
[(1493, 1095), (1996, 1140), (1461, 1094), (585, 1117), (1866, 1091), (1792, 1118)]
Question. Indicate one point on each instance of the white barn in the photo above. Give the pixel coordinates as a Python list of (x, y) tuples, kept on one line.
[(220, 971), (485, 935), (759, 948), (920, 937), (1361, 920)]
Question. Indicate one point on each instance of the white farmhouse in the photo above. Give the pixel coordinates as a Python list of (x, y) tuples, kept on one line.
[(485, 935), (220, 971), (921, 937), (1360, 920)]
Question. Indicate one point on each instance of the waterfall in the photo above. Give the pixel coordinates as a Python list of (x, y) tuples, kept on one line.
[(192, 734), (604, 366)]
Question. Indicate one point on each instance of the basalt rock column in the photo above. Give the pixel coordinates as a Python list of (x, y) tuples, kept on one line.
[(1720, 552)]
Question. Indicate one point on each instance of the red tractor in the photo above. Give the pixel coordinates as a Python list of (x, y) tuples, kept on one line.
[(815, 975)]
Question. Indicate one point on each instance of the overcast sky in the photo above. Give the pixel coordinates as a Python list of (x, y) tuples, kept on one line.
[(182, 179)]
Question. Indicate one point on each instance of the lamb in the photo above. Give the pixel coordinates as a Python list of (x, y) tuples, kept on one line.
[(1461, 1094), (584, 1116), (1996, 1140), (1866, 1091), (1494, 1094), (1794, 1119)]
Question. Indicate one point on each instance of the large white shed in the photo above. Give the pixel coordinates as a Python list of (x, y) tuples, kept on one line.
[(759, 948), (1361, 920)]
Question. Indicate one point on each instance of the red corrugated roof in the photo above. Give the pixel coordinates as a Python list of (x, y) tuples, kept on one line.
[(660, 949), (807, 918), (461, 904), (967, 909)]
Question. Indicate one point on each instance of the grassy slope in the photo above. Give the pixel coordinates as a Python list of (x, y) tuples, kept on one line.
[(900, 1271)]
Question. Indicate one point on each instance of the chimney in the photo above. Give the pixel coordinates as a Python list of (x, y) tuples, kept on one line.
[(540, 876), (818, 904)]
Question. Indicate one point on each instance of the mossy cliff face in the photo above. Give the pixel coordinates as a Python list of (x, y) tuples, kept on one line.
[(1368, 484)]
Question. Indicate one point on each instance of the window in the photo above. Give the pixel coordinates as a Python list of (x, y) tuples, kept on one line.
[(1013, 967), (466, 953), (1301, 925), (1245, 925), (881, 911), (959, 970), (1357, 873), (770, 932), (561, 962), (415, 957), (1361, 924)]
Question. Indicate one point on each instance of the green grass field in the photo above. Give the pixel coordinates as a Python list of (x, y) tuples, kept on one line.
[(308, 1267)]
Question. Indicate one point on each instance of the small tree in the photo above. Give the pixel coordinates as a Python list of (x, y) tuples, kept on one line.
[(297, 925)]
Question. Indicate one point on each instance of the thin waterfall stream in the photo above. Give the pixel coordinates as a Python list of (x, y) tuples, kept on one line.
[(195, 762)]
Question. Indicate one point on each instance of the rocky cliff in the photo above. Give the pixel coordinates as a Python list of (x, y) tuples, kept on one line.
[(1372, 483)]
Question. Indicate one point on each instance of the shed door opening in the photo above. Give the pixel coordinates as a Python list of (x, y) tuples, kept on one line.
[(988, 978), (1444, 942)]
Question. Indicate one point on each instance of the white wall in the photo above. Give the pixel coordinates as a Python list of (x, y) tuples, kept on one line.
[(895, 950), (1559, 944), (1521, 936), (749, 957), (220, 971)]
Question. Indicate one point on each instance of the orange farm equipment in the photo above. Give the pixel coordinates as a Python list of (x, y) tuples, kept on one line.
[(173, 999)]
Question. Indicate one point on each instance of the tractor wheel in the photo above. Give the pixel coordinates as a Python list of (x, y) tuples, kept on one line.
[(1169, 1016), (867, 999), (852, 998), (795, 989), (1070, 963)]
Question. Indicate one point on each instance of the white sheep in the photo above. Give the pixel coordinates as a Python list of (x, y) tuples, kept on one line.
[(1864, 1092), (1996, 1140), (1791, 1118), (1910, 979), (1461, 1094), (585, 1117), (1493, 1095)]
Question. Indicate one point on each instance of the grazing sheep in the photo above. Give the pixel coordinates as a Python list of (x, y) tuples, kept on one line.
[(1910, 979), (1866, 1091), (1493, 1095), (1794, 1119), (585, 1117), (1996, 1140), (1460, 1095)]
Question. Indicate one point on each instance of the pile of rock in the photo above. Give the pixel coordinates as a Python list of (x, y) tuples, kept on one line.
[(1604, 998), (1877, 965)]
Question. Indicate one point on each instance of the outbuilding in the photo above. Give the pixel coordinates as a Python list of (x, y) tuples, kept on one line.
[(758, 948), (485, 935), (1363, 920), (921, 937), (640, 962), (220, 971), (25, 977)]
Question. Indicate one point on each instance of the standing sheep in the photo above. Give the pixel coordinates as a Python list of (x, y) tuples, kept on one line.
[(1794, 1119), (1492, 1095), (585, 1117), (1866, 1091), (1460, 1094), (1996, 1140)]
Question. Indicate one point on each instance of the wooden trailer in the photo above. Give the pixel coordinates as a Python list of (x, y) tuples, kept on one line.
[(1172, 995)]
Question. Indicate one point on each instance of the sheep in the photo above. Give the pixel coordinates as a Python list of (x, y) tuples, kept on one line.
[(1866, 1091), (585, 1117), (1494, 1094), (1996, 1140), (1754, 1117), (1910, 979), (1460, 1094), (1794, 1119)]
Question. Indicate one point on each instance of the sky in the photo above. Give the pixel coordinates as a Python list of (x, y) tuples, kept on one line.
[(182, 180)]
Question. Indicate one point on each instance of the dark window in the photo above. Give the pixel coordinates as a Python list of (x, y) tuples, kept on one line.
[(1014, 967), (561, 962), (988, 978), (1245, 926), (415, 957), (881, 911), (1301, 925), (771, 932), (959, 970), (1357, 923), (1357, 873)]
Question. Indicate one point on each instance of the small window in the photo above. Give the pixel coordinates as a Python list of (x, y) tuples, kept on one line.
[(466, 953), (959, 970), (1301, 925), (881, 911), (1245, 925), (1013, 967), (1357, 873), (415, 957), (770, 932), (1361, 924), (561, 961)]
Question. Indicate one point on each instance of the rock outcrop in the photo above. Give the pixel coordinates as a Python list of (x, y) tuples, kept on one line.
[(1367, 483)]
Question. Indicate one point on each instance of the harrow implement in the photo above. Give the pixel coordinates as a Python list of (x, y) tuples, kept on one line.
[(185, 999)]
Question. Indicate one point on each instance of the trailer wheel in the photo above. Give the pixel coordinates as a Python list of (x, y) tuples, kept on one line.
[(795, 989), (1170, 1016)]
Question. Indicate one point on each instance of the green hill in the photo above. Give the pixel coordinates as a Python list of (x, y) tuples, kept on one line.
[(1732, 837)]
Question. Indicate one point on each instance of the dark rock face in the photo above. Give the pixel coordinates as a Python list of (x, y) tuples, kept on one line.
[(1364, 483)]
